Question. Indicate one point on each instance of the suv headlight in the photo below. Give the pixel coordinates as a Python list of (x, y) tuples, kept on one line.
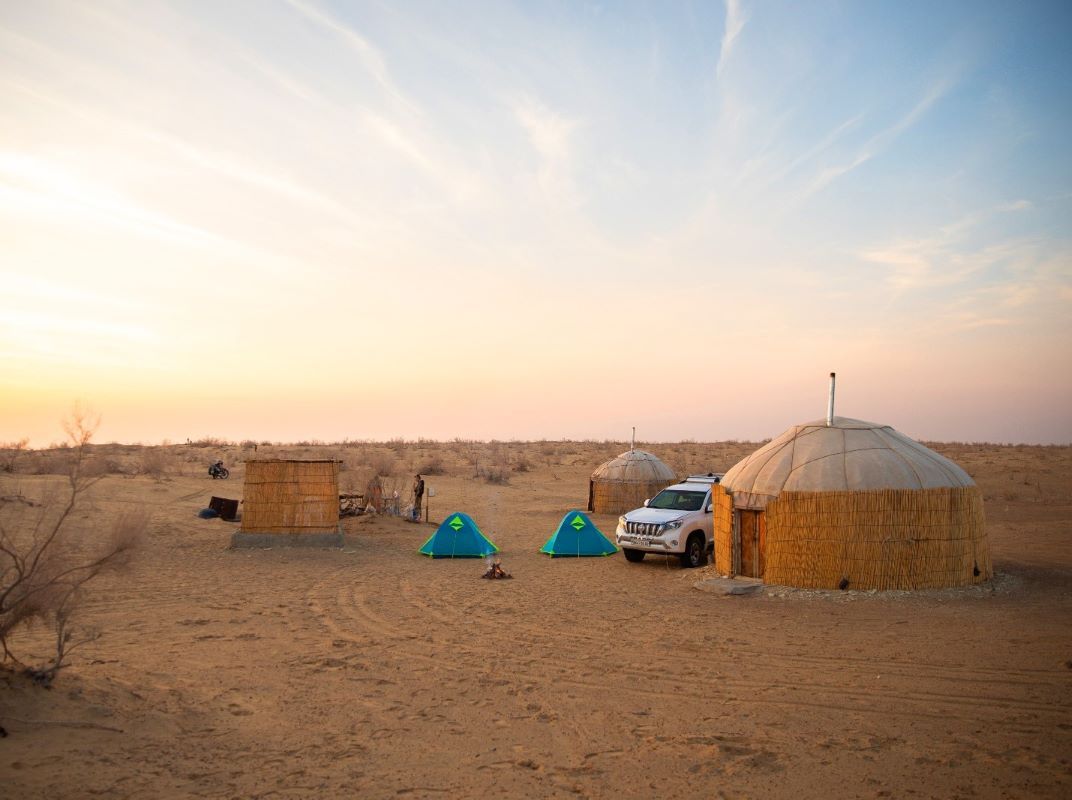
[(621, 521), (673, 525)]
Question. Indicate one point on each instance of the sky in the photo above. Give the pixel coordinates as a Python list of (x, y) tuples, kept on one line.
[(303, 219)]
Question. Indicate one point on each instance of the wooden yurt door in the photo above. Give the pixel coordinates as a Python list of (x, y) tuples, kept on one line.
[(751, 542)]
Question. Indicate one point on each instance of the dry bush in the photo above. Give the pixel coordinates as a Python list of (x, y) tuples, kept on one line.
[(433, 465), (497, 474), (382, 464), (10, 452), (54, 461), (154, 463), (44, 568), (209, 441)]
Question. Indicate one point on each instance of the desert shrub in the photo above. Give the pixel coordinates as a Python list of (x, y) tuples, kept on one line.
[(46, 462), (103, 465), (382, 464), (433, 465), (153, 463), (10, 452), (521, 464), (497, 474), (44, 569), (209, 441)]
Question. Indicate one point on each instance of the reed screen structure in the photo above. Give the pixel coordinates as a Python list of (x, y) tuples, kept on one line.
[(291, 502), (850, 505), (625, 482)]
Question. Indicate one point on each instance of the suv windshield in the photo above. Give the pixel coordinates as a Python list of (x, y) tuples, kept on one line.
[(675, 500)]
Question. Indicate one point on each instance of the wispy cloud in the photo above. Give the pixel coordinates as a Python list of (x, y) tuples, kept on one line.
[(27, 182), (227, 165), (735, 22), (277, 77), (1017, 205), (551, 135), (24, 288), (549, 132), (40, 322), (966, 276), (880, 141), (369, 55)]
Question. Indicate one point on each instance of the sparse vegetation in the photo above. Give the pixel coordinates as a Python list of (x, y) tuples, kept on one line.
[(10, 452), (208, 441), (494, 474), (382, 464), (433, 465), (44, 569), (154, 462)]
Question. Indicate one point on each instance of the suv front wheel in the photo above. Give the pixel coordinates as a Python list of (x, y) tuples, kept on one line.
[(633, 556), (694, 555)]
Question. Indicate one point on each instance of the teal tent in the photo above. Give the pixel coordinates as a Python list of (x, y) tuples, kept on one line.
[(577, 536), (458, 537)]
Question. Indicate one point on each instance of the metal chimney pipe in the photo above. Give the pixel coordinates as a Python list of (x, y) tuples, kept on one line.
[(632, 444), (830, 405)]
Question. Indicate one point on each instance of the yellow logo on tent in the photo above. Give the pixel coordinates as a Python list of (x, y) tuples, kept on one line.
[(457, 524), (577, 523)]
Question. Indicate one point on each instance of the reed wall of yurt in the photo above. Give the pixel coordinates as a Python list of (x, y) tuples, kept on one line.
[(884, 539), (295, 497), (617, 497), (723, 529)]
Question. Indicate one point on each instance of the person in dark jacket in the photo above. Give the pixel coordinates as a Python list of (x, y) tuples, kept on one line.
[(418, 496)]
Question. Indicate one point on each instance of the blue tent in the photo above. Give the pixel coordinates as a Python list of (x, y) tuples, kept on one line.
[(458, 537), (577, 536)]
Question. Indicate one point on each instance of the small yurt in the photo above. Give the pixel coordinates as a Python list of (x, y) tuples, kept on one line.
[(845, 504), (625, 482), (290, 502)]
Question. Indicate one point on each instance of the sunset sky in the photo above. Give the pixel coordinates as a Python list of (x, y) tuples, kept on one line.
[(308, 219)]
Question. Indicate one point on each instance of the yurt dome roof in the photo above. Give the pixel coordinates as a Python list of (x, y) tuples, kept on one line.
[(848, 455), (634, 466)]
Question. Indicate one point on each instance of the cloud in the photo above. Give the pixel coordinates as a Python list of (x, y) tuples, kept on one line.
[(27, 322), (223, 164), (27, 288), (819, 147), (1017, 205), (31, 183), (549, 132), (883, 139), (279, 78), (551, 135), (735, 22), (370, 57)]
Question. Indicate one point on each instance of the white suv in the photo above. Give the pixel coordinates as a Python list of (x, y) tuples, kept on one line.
[(677, 521)]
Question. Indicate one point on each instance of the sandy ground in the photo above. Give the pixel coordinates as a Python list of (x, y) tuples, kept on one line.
[(375, 672)]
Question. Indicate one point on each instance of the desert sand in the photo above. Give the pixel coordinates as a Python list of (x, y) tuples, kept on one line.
[(374, 672)]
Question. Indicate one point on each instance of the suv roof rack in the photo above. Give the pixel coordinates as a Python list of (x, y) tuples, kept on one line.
[(707, 477)]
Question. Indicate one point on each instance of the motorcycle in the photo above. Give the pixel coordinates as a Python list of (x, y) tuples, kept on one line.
[(217, 470)]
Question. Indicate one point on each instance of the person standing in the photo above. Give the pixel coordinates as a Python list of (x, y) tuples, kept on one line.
[(418, 496)]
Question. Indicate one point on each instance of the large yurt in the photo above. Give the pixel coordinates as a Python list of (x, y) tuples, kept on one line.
[(290, 502), (625, 482), (844, 504)]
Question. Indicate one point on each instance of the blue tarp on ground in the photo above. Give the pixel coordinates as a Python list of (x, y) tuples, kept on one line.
[(577, 536), (458, 537)]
